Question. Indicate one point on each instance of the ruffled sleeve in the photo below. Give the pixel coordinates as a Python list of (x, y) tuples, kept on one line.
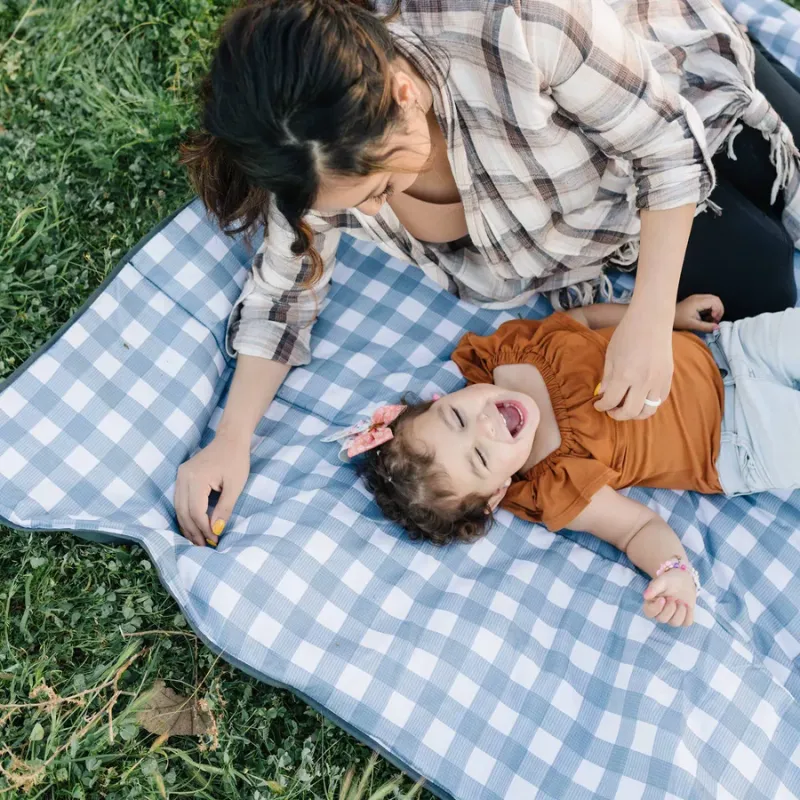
[(477, 356), (557, 490)]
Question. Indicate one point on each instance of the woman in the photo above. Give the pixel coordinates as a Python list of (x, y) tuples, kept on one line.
[(506, 148)]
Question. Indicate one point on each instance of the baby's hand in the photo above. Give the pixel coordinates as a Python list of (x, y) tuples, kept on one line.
[(700, 312), (671, 598)]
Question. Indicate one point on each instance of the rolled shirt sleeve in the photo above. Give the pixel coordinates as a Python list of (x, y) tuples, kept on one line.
[(276, 310), (602, 79)]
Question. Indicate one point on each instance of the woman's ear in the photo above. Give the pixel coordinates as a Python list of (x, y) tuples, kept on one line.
[(497, 496), (405, 93)]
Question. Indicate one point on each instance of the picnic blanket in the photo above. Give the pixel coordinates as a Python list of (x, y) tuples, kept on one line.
[(517, 667), (774, 24)]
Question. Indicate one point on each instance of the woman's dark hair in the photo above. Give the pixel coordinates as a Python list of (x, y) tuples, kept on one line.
[(295, 87), (410, 490)]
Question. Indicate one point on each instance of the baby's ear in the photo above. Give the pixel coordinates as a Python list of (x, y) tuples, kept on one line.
[(497, 496)]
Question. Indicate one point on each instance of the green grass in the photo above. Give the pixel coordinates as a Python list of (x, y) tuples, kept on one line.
[(95, 96)]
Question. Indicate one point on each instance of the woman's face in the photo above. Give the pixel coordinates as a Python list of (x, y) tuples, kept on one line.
[(407, 150)]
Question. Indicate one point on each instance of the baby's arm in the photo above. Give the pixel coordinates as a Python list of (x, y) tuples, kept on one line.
[(648, 541), (599, 315), (700, 312)]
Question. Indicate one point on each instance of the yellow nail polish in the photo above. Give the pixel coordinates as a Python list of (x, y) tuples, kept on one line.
[(218, 527), (210, 543), (597, 389)]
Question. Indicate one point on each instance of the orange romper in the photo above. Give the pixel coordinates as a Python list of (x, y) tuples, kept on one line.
[(676, 448)]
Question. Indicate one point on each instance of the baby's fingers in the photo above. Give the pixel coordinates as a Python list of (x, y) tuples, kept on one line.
[(656, 587), (704, 327), (679, 616), (717, 309), (668, 611), (652, 608)]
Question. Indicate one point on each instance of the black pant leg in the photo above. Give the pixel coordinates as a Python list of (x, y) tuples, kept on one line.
[(780, 86), (744, 256), (752, 172)]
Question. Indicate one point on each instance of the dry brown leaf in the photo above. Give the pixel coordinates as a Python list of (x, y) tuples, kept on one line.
[(167, 713)]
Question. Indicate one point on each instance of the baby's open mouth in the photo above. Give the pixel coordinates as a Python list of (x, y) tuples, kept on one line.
[(513, 415)]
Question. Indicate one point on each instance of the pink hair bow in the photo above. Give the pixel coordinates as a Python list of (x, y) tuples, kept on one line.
[(368, 434)]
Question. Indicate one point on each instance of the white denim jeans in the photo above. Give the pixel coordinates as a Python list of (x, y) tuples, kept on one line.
[(759, 360)]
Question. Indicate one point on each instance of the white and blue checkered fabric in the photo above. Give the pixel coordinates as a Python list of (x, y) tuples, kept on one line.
[(775, 24), (517, 667)]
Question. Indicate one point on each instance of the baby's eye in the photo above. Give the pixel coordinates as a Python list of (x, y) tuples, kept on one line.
[(459, 418), (480, 456)]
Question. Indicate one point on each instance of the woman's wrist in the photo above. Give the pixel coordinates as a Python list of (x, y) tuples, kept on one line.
[(662, 249), (655, 311), (233, 435), (255, 383)]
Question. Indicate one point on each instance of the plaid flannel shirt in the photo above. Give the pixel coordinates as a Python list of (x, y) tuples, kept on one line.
[(563, 118)]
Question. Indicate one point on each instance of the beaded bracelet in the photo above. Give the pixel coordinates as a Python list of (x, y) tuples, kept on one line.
[(683, 566)]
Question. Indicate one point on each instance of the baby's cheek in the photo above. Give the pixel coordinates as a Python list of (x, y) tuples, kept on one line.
[(510, 468)]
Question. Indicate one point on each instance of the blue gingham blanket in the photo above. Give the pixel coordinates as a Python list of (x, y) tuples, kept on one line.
[(517, 667), (774, 24)]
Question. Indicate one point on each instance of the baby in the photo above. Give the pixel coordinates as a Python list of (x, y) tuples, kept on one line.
[(525, 435)]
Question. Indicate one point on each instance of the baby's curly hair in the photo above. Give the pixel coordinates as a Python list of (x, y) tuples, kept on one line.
[(411, 491)]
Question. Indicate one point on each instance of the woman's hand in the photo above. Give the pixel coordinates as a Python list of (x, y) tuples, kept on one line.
[(223, 466), (638, 366), (700, 312), (671, 599)]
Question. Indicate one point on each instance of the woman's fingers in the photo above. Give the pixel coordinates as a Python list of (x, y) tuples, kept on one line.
[(231, 489), (177, 502), (185, 523), (656, 394), (632, 407), (613, 394), (649, 410), (198, 511), (635, 406), (625, 402)]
